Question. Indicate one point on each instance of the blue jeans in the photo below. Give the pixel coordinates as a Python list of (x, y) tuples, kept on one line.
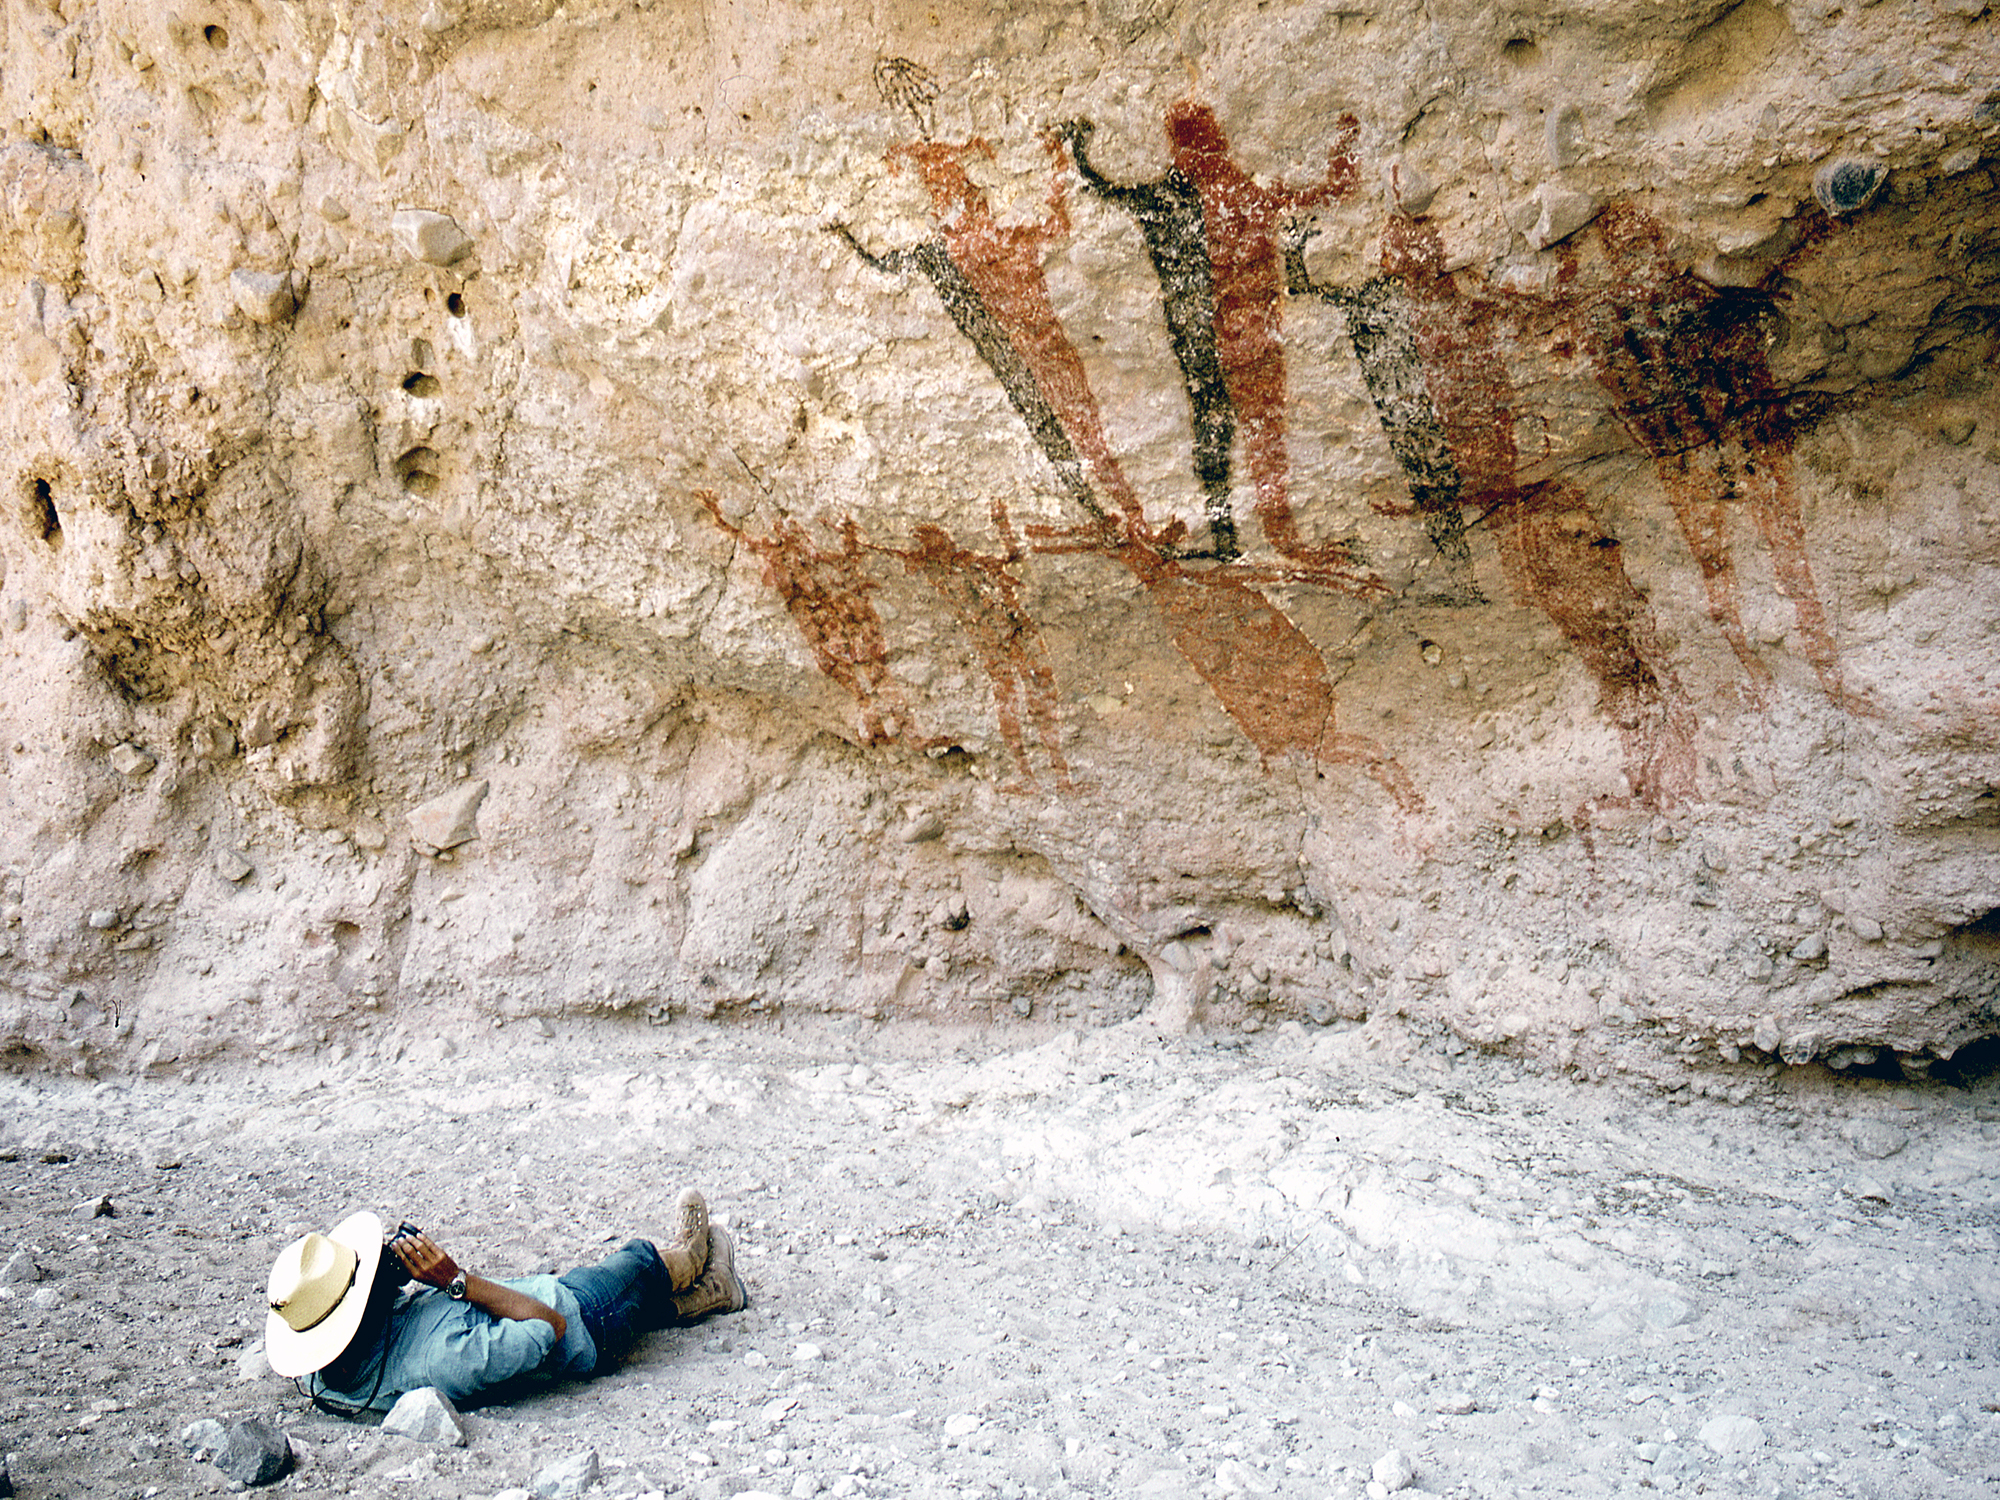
[(622, 1296)]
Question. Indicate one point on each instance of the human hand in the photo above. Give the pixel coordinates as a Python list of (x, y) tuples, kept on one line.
[(421, 1256)]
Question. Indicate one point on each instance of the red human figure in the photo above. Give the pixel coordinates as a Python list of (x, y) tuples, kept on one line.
[(1002, 263), (1241, 219), (1554, 553), (826, 594), (1688, 380), (982, 591)]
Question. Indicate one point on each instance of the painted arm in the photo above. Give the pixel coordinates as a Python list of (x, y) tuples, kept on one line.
[(1074, 134), (892, 262), (1341, 172), (1298, 280)]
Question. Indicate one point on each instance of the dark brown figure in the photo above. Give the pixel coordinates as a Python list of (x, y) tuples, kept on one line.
[(1688, 379), (1241, 220), (826, 594), (1003, 264), (1555, 555), (982, 591)]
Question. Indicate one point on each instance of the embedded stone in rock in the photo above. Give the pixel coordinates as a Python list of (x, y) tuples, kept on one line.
[(447, 821), (1410, 188), (263, 296), (233, 867), (1563, 213), (1874, 1139), (425, 1415), (1811, 949), (1731, 1434), (430, 236), (256, 1453), (1847, 187), (569, 1478), (130, 760)]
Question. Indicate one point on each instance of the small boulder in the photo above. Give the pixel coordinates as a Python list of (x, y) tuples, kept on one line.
[(569, 1478), (425, 1415), (130, 761), (253, 1363), (20, 1269), (1729, 1434), (1394, 1471), (257, 1452)]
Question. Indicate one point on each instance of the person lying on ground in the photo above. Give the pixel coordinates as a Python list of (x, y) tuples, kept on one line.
[(357, 1338)]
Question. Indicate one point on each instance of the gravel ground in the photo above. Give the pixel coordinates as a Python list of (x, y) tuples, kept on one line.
[(1108, 1265)]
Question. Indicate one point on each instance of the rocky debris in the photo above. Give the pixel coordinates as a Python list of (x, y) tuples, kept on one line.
[(6, 1481), (233, 867), (1874, 1139), (103, 919), (426, 1415), (204, 1439), (263, 296), (430, 236), (257, 1452), (568, 1478), (448, 820), (1732, 1435), (130, 761)]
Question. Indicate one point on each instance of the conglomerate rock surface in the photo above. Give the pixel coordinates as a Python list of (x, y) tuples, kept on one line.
[(1477, 517)]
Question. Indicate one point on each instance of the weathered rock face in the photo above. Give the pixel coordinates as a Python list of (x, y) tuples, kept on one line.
[(1480, 518)]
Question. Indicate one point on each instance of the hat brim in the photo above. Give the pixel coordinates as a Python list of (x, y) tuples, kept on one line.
[(293, 1353)]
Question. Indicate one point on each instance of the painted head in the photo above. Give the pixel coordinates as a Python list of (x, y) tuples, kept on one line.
[(1194, 133), (1412, 250), (955, 198)]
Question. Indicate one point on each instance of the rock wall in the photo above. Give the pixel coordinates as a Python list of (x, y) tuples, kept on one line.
[(1475, 518)]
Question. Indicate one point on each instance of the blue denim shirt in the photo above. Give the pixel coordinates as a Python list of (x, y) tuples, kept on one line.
[(463, 1350)]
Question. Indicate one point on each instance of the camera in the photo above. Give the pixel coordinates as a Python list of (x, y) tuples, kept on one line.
[(405, 1231)]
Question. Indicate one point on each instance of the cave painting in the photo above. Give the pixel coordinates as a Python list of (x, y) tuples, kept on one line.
[(1429, 343), (983, 593), (1680, 361), (1266, 674), (1211, 231), (1685, 368), (826, 594)]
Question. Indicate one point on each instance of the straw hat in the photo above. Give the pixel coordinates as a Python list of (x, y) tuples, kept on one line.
[(319, 1289)]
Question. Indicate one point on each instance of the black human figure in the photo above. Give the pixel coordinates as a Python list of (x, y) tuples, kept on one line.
[(1169, 215), (969, 312), (1392, 367)]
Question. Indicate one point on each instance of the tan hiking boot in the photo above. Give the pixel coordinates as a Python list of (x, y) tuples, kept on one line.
[(686, 1255), (719, 1290)]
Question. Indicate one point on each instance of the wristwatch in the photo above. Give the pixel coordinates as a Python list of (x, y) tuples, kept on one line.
[(455, 1289)]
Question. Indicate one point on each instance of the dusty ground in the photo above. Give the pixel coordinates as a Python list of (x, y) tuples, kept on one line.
[(1112, 1265)]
